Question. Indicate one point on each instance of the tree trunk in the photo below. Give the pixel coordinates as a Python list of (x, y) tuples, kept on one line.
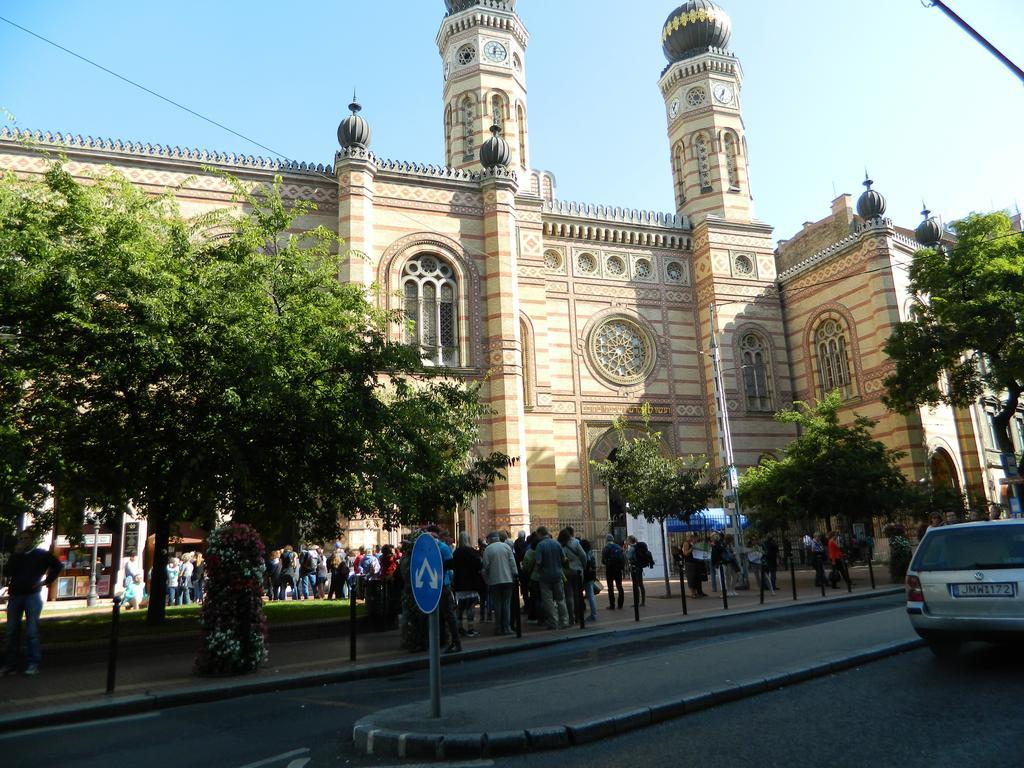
[(664, 554), (158, 581), (1001, 422)]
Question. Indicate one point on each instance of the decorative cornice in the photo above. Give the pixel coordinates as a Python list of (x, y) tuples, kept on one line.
[(617, 215), (161, 151), (494, 14), (879, 226)]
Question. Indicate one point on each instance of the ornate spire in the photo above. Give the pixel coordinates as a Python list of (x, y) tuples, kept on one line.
[(354, 132), (871, 204), (495, 152), (929, 231)]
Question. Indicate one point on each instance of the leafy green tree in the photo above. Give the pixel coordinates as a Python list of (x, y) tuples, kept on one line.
[(968, 324), (211, 367), (653, 483), (831, 470)]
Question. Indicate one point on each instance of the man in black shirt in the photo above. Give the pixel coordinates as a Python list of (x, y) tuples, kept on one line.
[(29, 569)]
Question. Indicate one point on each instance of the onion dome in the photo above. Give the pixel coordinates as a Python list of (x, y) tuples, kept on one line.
[(495, 152), (871, 204), (695, 26), (929, 231), (354, 131), (454, 6)]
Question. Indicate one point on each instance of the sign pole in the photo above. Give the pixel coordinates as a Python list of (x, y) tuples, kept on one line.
[(435, 663)]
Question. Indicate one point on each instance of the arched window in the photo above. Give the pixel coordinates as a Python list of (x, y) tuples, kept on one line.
[(529, 365), (680, 180), (830, 345), (700, 146), (497, 112), (755, 364), (521, 120), (732, 161), (431, 300), (467, 129), (448, 134)]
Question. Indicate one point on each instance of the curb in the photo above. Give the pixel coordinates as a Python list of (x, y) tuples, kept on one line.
[(385, 742), (133, 704)]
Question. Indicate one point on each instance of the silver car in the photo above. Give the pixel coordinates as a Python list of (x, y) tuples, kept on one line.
[(966, 582)]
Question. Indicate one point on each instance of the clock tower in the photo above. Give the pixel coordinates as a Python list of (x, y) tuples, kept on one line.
[(701, 87), (483, 57)]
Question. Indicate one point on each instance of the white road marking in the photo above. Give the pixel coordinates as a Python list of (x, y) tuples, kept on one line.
[(468, 764), (85, 724), (298, 763), (282, 756)]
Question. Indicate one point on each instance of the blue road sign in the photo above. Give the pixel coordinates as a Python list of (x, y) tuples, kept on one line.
[(426, 571)]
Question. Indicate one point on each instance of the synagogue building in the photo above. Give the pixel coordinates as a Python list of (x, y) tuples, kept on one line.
[(579, 313)]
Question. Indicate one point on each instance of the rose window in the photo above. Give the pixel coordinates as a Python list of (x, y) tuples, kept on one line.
[(622, 351), (553, 260), (696, 96), (615, 266), (642, 269), (466, 54), (675, 272), (586, 262), (743, 265)]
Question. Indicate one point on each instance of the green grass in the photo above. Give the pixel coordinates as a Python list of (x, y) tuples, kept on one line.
[(55, 628)]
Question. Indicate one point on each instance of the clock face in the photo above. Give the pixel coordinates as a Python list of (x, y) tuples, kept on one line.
[(495, 51), (673, 109), (723, 93)]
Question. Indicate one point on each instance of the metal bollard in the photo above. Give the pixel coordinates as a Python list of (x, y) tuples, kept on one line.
[(636, 595), (792, 576), (849, 581), (682, 589), (115, 629), (823, 580), (725, 592), (352, 621), (871, 573), (519, 610), (760, 578), (582, 602)]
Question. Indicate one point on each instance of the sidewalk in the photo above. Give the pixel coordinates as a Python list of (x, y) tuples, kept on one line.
[(77, 678)]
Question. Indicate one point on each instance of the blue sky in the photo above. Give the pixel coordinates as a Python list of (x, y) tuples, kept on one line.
[(829, 88)]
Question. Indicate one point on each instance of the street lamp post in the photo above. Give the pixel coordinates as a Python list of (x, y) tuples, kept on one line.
[(725, 443), (94, 597)]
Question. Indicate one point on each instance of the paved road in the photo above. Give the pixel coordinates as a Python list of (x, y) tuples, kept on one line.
[(313, 726), (909, 711)]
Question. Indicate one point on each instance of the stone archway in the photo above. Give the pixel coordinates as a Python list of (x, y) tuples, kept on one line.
[(943, 470), (608, 510)]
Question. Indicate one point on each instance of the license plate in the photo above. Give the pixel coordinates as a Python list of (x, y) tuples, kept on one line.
[(1002, 589)]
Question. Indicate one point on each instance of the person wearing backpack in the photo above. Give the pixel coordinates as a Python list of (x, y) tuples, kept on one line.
[(640, 557), (289, 573), (307, 573), (614, 561)]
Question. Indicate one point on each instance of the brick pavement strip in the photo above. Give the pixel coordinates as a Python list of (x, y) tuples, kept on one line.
[(159, 681)]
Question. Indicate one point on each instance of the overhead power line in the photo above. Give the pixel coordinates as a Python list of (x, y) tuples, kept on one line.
[(976, 35)]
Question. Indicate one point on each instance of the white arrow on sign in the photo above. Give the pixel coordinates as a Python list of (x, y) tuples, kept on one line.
[(430, 572)]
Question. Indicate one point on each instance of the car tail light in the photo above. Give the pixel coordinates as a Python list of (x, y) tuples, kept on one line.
[(914, 592)]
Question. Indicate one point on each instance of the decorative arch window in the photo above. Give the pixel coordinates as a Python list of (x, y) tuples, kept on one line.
[(830, 346), (700, 148), (448, 134), (431, 309), (497, 112), (732, 161), (680, 181), (467, 128), (529, 365), (755, 364), (521, 121)]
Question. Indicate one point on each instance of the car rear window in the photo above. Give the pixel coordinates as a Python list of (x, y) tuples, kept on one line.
[(966, 548)]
